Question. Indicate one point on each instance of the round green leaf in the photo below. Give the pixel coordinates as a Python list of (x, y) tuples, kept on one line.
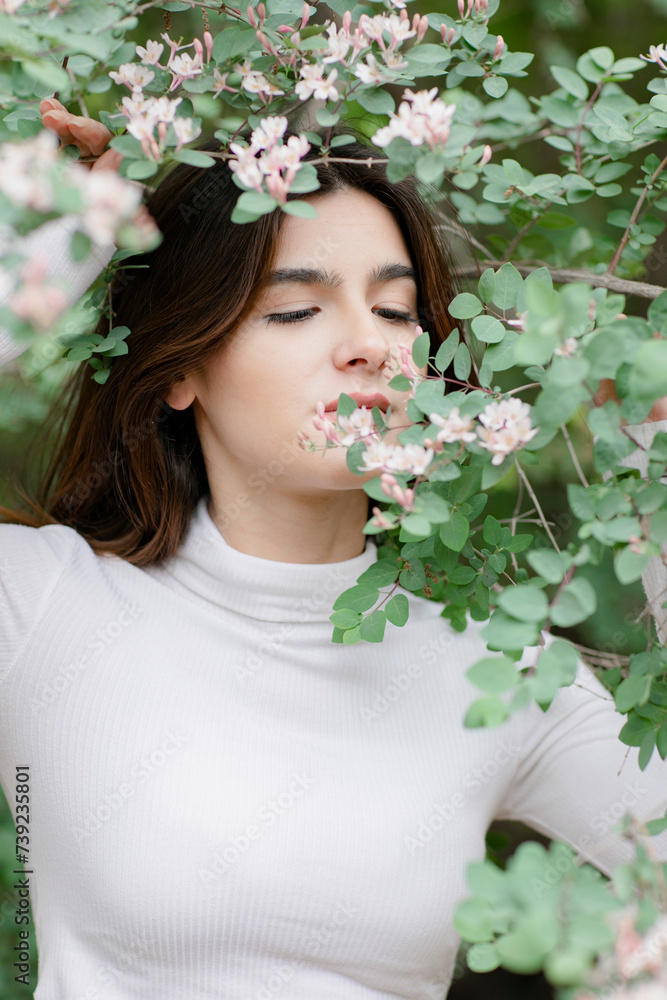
[(488, 329), (397, 610), (494, 673), (524, 602), (483, 957), (465, 306)]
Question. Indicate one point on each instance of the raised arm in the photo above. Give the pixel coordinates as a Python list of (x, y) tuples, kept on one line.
[(52, 240)]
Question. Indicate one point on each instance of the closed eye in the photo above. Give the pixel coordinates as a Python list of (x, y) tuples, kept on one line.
[(294, 317)]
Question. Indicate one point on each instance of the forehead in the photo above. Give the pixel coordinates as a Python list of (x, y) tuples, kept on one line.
[(351, 228)]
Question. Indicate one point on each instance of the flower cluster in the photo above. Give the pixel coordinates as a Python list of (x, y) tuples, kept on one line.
[(506, 427), (277, 163), (425, 119), (144, 114), (37, 300), (410, 458), (31, 173), (453, 427)]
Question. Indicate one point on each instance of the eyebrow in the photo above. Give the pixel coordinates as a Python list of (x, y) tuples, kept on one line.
[(312, 276)]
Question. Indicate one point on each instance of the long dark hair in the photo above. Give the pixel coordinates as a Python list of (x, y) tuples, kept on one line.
[(127, 470)]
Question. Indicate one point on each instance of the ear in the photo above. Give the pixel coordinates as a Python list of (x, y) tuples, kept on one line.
[(181, 395)]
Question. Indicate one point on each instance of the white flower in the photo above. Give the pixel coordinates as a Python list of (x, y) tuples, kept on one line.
[(377, 455), (185, 67), (10, 6), (398, 27), (314, 83), (133, 76), (246, 166), (165, 109), (268, 132), (506, 427), (371, 71), (220, 83), (453, 427), (151, 54), (426, 119), (411, 458), (338, 43), (27, 171), (567, 349), (394, 60), (185, 131), (359, 424), (38, 301), (657, 54)]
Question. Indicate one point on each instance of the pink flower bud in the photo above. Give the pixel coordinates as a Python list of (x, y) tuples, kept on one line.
[(423, 28), (450, 35), (162, 132), (265, 43), (347, 21), (486, 155), (251, 16), (415, 19), (261, 10), (470, 6), (305, 15), (199, 49), (500, 47), (462, 8), (208, 42), (284, 28)]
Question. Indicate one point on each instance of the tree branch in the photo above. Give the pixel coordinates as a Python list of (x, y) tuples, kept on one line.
[(566, 274)]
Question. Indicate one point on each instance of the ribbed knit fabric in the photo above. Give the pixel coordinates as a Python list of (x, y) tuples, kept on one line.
[(227, 806)]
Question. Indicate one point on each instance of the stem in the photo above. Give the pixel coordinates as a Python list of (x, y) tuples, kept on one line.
[(522, 232), (593, 98), (573, 456), (513, 523), (633, 218), (533, 497)]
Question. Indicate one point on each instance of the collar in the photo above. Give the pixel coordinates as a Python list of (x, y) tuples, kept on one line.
[(259, 588)]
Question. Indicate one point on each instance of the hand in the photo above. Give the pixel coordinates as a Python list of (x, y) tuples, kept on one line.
[(89, 136), (607, 390)]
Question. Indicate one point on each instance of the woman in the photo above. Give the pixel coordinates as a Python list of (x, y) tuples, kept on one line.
[(224, 803)]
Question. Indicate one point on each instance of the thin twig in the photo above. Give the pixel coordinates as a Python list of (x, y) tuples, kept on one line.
[(633, 218), (533, 497), (573, 456)]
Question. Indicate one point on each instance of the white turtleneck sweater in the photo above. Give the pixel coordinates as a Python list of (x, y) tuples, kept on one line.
[(224, 805)]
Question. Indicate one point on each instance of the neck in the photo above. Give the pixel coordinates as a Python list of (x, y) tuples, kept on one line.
[(293, 529)]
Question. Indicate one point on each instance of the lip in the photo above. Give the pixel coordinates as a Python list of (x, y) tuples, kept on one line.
[(367, 399)]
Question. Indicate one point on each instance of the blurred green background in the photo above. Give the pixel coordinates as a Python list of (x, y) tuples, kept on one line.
[(558, 31)]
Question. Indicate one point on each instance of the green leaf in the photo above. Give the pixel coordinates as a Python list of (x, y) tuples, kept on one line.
[(397, 610), (656, 826), (570, 81), (445, 354), (345, 618), (577, 602), (505, 633), (373, 626), (377, 101), (494, 673), (421, 349), (253, 201), (486, 285), (474, 920), (454, 533), (524, 602), (629, 566), (489, 712), (495, 86), (488, 329), (302, 209), (508, 283), (194, 158), (550, 565), (634, 690), (127, 146), (141, 170), (483, 957), (80, 245), (325, 117), (356, 599), (462, 362), (464, 306)]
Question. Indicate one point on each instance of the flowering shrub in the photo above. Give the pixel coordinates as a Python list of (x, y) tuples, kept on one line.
[(542, 324)]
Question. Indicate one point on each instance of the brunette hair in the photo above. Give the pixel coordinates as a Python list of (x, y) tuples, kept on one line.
[(127, 470)]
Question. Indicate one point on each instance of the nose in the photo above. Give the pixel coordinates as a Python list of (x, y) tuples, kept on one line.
[(362, 345)]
